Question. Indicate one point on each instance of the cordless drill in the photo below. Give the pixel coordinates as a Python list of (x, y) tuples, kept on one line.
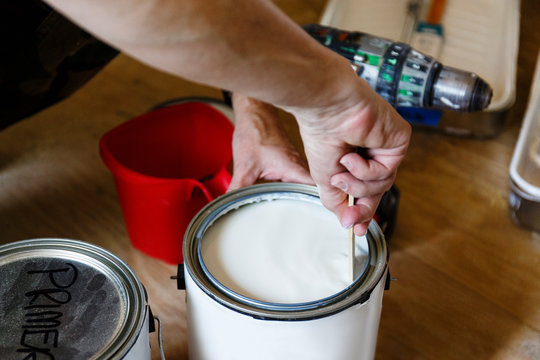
[(403, 76)]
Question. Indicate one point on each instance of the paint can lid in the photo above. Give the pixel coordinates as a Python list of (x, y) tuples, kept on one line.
[(67, 299)]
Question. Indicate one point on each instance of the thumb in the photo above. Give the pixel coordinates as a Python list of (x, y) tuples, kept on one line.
[(334, 200)]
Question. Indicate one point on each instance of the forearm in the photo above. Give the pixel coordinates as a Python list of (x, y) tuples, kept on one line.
[(248, 46)]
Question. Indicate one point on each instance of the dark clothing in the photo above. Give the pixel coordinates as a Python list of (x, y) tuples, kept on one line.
[(44, 58)]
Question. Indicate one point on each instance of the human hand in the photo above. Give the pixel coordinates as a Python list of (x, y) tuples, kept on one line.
[(354, 147), (267, 56), (261, 147)]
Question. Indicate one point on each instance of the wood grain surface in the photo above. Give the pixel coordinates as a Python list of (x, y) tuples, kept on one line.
[(468, 278)]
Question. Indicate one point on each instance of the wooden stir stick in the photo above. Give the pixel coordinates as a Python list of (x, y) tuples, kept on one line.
[(351, 244)]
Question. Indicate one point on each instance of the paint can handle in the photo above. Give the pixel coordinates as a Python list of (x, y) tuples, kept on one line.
[(160, 338), (179, 277)]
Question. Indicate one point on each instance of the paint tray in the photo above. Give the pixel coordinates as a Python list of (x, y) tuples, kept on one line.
[(481, 36), (524, 199)]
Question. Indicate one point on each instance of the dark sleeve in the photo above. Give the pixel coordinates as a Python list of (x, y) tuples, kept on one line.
[(44, 59)]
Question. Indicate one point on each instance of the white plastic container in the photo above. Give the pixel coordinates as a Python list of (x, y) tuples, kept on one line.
[(524, 196), (480, 36), (66, 299), (224, 324)]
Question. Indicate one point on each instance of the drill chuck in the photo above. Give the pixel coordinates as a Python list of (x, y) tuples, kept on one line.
[(403, 76), (460, 90)]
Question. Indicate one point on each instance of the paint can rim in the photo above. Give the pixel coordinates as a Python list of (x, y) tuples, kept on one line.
[(357, 293)]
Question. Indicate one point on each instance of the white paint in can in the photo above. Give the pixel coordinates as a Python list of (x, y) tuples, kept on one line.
[(236, 309), (67, 299), (281, 251)]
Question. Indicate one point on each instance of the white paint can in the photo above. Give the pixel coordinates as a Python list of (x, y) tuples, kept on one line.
[(230, 319), (67, 299)]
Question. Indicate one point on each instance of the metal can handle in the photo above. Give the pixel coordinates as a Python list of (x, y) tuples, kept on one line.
[(160, 338)]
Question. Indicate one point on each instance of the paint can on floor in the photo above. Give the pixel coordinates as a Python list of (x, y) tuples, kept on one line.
[(67, 299), (266, 278)]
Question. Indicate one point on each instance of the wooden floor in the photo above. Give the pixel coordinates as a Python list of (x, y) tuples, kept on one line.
[(468, 279)]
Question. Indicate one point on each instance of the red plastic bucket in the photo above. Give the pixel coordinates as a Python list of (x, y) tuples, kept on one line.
[(167, 164)]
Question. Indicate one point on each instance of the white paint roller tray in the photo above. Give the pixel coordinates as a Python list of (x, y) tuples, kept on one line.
[(481, 36)]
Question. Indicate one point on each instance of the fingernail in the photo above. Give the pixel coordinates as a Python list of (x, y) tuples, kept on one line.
[(362, 233), (340, 185), (346, 163)]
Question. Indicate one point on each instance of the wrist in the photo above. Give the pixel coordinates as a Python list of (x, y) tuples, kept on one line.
[(342, 89)]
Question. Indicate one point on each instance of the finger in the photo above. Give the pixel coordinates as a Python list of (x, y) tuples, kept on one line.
[(360, 214), (355, 214), (243, 176), (380, 167), (370, 204), (361, 229), (281, 168), (294, 173), (334, 200), (359, 188), (284, 163)]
